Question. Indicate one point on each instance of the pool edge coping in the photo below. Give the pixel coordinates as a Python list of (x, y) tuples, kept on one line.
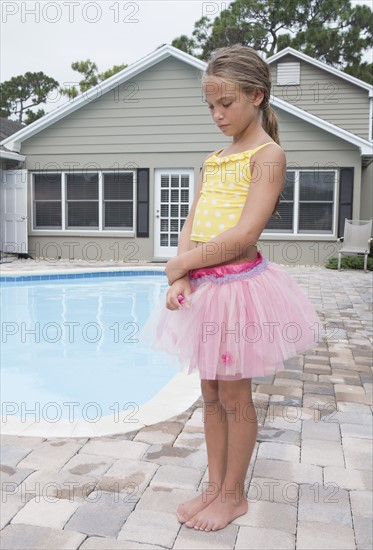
[(165, 404), (84, 272)]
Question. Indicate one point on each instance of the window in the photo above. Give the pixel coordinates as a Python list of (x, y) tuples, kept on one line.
[(47, 201), (306, 204), (92, 201), (316, 194), (118, 200), (82, 201)]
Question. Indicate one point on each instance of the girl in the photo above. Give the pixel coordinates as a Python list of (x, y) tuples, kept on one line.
[(230, 313)]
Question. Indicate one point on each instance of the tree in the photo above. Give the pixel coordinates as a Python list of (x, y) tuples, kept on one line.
[(329, 30), (20, 93), (185, 44), (91, 76)]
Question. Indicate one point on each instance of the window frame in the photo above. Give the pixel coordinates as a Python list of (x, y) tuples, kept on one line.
[(270, 233), (33, 230)]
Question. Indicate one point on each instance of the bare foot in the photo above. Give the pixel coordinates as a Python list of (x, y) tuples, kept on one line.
[(190, 508), (217, 515)]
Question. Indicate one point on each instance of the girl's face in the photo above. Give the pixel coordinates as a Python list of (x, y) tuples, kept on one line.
[(232, 109)]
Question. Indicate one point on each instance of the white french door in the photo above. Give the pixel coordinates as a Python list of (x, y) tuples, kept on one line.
[(173, 196), (13, 211)]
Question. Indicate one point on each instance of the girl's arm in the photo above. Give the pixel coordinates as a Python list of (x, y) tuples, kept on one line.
[(181, 284), (230, 244)]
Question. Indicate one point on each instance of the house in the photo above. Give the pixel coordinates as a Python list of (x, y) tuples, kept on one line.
[(112, 174)]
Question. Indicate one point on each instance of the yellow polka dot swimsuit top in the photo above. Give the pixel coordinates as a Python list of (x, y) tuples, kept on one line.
[(226, 183)]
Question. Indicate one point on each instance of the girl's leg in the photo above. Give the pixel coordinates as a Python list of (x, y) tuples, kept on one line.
[(215, 425), (231, 503)]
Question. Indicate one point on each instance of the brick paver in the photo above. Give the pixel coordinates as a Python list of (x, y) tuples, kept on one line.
[(309, 481)]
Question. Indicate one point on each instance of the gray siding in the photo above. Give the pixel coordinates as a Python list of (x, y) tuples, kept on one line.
[(281, 251), (326, 96), (160, 110), (307, 141)]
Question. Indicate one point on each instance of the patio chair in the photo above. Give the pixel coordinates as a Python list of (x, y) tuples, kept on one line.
[(356, 240)]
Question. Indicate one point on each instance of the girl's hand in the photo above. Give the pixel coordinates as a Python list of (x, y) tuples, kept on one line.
[(181, 286), (173, 270)]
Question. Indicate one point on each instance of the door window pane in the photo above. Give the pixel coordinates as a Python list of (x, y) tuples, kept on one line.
[(174, 206)]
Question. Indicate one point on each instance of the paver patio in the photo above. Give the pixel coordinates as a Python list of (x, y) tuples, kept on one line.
[(309, 480)]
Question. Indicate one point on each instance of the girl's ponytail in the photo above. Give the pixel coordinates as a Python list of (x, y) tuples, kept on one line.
[(270, 125), (269, 122)]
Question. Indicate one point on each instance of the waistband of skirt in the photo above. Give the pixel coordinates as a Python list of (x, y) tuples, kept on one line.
[(229, 272)]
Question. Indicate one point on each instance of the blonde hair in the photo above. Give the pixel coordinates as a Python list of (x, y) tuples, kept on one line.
[(244, 67)]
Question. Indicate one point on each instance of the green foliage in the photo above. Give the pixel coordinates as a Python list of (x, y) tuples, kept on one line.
[(350, 262), (184, 43), (91, 77), (32, 116), (111, 72), (364, 71), (20, 93), (331, 31)]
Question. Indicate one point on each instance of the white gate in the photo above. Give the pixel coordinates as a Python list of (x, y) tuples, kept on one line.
[(13, 211), (173, 196)]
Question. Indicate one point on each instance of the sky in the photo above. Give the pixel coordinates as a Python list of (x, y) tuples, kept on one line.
[(109, 32), (49, 35)]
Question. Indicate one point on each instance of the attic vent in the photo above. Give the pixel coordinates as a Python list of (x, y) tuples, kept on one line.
[(288, 73)]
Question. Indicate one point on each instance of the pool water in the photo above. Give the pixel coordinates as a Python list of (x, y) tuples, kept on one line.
[(69, 347)]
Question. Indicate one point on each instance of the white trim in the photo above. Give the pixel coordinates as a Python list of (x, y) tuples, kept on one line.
[(296, 202), (83, 99), (11, 156), (370, 134), (63, 205), (100, 200), (78, 233), (320, 65), (135, 205), (364, 145)]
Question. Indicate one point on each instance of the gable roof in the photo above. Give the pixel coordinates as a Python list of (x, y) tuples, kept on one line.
[(100, 89), (14, 142), (321, 65)]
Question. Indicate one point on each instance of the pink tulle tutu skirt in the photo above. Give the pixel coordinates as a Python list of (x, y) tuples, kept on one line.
[(240, 321)]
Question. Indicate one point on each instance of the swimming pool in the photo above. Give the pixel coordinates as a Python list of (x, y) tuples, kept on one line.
[(70, 349)]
